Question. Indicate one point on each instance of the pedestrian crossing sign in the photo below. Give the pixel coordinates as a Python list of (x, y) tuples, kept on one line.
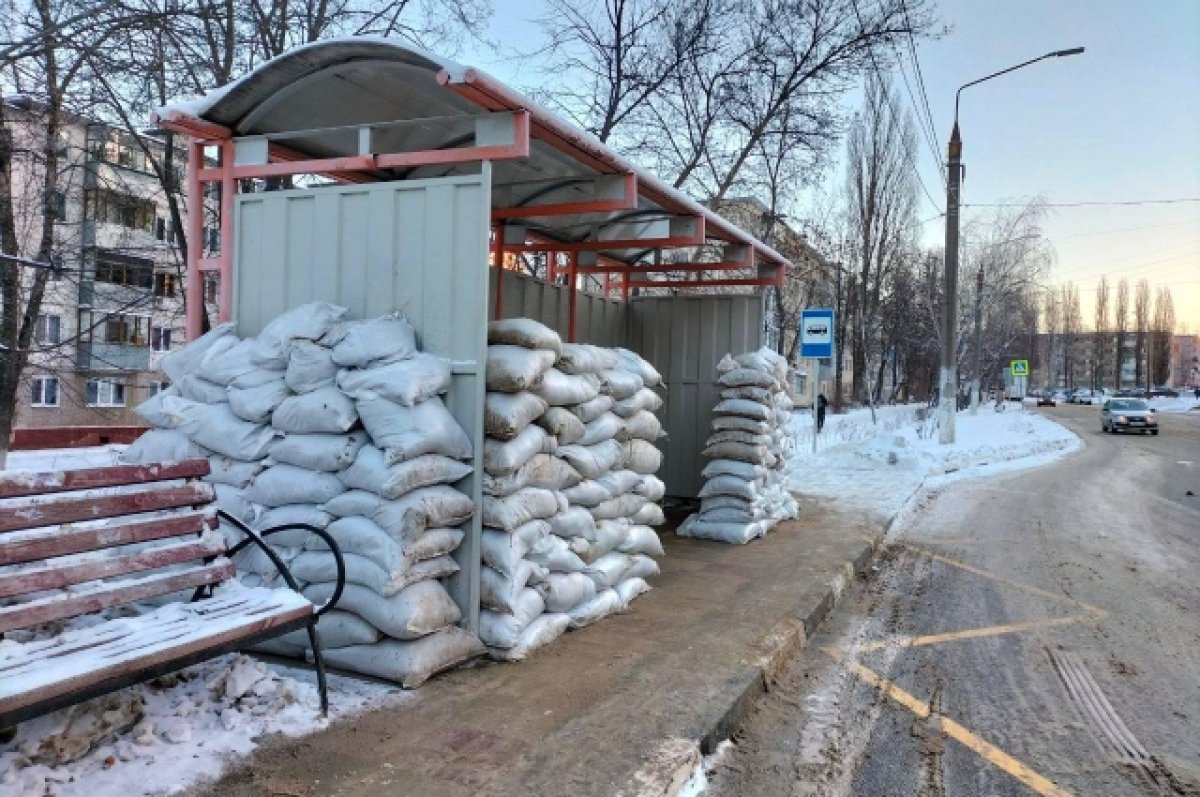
[(1020, 367)]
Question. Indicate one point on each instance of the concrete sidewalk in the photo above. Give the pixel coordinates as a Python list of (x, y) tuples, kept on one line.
[(616, 708)]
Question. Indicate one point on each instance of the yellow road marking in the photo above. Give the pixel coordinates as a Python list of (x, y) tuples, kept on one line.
[(1096, 611), (970, 633), (981, 747)]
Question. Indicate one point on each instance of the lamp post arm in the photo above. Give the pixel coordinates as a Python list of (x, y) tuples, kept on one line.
[(1055, 54)]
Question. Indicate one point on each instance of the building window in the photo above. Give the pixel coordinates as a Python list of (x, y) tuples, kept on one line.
[(123, 149), (212, 285), (126, 330), (105, 393), (44, 391), (164, 285), (160, 339), (159, 386), (48, 330), (116, 208), (160, 228), (118, 270)]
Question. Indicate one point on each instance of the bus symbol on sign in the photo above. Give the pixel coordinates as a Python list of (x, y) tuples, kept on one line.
[(1020, 367), (816, 333)]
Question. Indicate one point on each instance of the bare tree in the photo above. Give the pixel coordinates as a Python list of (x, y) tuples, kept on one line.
[(1100, 335), (1052, 337), (1121, 328), (1160, 340), (1141, 324), (1072, 332)]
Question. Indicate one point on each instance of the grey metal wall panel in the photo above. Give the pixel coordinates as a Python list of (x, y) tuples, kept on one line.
[(418, 246), (684, 337), (598, 320)]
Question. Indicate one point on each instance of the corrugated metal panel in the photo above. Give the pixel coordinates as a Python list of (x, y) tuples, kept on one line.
[(684, 337), (598, 320), (419, 247)]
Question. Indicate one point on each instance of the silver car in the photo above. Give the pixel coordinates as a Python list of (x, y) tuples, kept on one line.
[(1127, 415)]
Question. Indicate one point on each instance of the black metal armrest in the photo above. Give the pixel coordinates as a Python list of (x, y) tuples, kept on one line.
[(258, 538)]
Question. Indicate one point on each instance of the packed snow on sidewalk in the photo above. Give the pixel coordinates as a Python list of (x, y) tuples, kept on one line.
[(879, 473), (163, 736)]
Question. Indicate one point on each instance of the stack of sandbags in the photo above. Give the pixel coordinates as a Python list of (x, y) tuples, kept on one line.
[(522, 485), (745, 493), (337, 425)]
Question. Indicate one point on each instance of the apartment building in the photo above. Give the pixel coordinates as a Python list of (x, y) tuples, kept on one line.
[(114, 302)]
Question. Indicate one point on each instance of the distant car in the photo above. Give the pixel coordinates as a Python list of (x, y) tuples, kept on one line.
[(1060, 396), (1046, 399), (1162, 391), (1082, 396), (1127, 415)]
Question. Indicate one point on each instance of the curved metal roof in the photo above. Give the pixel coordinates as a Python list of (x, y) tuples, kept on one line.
[(314, 95)]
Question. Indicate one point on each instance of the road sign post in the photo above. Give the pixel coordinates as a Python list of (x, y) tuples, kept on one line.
[(816, 343)]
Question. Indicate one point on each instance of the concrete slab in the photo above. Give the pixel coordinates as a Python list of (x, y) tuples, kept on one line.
[(617, 707)]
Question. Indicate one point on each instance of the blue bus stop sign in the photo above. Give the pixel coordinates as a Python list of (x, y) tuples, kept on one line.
[(816, 333)]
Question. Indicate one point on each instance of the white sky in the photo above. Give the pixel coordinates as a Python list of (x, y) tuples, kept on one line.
[(1119, 123)]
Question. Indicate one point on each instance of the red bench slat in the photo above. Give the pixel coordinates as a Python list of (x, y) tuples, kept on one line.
[(29, 514), (68, 539), (18, 484)]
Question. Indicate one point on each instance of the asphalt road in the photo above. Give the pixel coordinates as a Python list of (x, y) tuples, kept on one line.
[(1035, 633)]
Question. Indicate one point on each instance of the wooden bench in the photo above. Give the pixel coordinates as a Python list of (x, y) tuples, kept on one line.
[(82, 541)]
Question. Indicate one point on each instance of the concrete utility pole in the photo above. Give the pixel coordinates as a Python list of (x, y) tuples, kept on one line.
[(948, 389), (977, 366)]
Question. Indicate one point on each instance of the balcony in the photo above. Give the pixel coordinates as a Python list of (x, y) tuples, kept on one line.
[(112, 357)]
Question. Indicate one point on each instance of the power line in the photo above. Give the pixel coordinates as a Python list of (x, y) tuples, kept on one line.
[(921, 120), (912, 48), (1100, 203), (1126, 229)]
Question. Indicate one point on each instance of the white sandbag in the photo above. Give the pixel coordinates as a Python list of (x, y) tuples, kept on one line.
[(323, 452), (324, 410), (289, 514), (406, 382), (592, 462), (224, 361), (562, 591), (253, 559), (409, 432), (505, 415), (643, 400), (215, 427), (186, 360), (541, 631), (732, 515), (531, 532), (502, 551), (644, 457), (500, 592), (760, 394), (540, 470), (413, 612), (588, 493), (736, 423), (632, 361), (503, 629), (738, 451), (630, 588), (729, 485), (255, 404), (722, 501), (407, 517), (641, 539), (609, 535), (641, 566), (736, 533), (619, 482), (575, 522), (743, 407), (589, 411), (643, 425), (374, 341), (651, 488), (409, 664), (561, 390), (231, 501), (608, 570), (337, 630), (748, 471), (565, 425), (524, 332), (512, 369), (310, 366), (748, 377), (362, 536), (160, 445), (193, 388), (620, 384), (151, 410), (526, 504), (235, 472), (308, 321), (584, 358), (605, 603), (606, 427), (288, 484), (621, 506), (735, 436), (501, 458), (370, 472), (650, 514), (553, 553), (314, 567)]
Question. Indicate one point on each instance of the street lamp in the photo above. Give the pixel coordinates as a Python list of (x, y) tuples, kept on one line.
[(948, 390)]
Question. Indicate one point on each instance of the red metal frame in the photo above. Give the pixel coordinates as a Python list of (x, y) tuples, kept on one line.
[(717, 283), (628, 201)]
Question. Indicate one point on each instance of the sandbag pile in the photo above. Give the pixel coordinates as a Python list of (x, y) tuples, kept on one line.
[(569, 487), (339, 425), (745, 493)]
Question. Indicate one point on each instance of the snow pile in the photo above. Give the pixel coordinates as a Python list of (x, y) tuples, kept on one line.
[(1186, 401), (745, 493), (163, 735), (569, 486), (337, 425)]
